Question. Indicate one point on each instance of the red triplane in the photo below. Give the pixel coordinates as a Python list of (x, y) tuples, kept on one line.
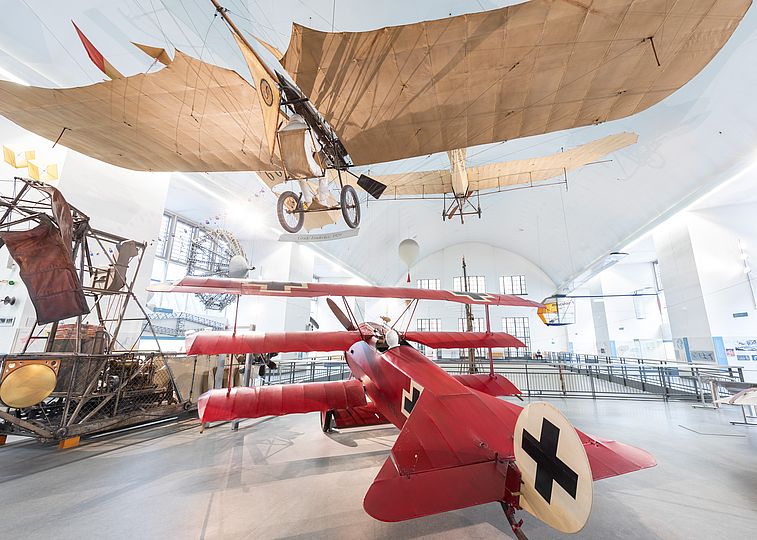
[(458, 446)]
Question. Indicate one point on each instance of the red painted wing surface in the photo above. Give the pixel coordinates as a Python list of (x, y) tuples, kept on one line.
[(276, 400), (367, 415), (266, 342), (494, 385), (311, 290), (463, 340)]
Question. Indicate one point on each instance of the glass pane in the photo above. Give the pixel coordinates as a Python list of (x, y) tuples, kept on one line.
[(163, 236), (182, 241)]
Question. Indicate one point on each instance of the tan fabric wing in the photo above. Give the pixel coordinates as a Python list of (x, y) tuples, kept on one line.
[(413, 183), (527, 69), (528, 171), (188, 116), (509, 173)]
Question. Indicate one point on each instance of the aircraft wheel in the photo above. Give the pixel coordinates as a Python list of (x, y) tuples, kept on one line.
[(350, 206), (289, 210), (327, 421)]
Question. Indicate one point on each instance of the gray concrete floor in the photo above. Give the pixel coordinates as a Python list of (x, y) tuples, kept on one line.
[(283, 478)]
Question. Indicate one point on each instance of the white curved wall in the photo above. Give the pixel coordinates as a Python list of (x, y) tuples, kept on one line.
[(482, 260)]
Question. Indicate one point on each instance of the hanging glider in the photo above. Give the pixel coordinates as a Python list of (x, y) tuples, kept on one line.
[(461, 181), (187, 116), (521, 70), (388, 94), (458, 445)]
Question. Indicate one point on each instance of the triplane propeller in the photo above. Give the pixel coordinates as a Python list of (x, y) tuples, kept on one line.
[(458, 446)]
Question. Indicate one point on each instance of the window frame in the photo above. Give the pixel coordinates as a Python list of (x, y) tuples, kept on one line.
[(476, 284), (428, 324), (428, 281), (506, 282), (521, 329)]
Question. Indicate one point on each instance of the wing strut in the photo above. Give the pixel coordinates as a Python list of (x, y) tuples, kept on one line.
[(489, 331)]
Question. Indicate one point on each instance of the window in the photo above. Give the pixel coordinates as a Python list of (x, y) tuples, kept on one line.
[(476, 284), (435, 284), (479, 325), (428, 325), (518, 327), (181, 242), (161, 246), (512, 285)]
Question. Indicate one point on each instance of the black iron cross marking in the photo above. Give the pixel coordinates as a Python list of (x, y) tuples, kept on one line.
[(409, 399), (549, 467), (474, 296), (281, 286)]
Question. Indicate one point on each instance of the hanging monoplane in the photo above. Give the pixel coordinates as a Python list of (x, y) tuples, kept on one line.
[(458, 446), (342, 99)]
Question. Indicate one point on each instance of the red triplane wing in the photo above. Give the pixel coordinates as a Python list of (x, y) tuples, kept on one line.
[(276, 400), (367, 415), (263, 342), (463, 340), (444, 457), (494, 385), (311, 290), (266, 342)]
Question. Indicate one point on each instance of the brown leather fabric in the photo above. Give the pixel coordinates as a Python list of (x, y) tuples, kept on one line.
[(62, 214), (47, 270)]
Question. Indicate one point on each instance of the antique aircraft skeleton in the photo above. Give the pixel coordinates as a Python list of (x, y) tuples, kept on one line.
[(339, 100), (458, 445)]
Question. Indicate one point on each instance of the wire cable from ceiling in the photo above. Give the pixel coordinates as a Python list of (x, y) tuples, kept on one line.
[(237, 109), (567, 233), (49, 30), (257, 25)]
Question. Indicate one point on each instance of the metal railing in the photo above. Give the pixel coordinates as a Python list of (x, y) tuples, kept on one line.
[(549, 378), (604, 359)]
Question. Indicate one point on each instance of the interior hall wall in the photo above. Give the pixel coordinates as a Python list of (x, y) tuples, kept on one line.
[(582, 338), (635, 324), (716, 234), (686, 309), (720, 235), (482, 260)]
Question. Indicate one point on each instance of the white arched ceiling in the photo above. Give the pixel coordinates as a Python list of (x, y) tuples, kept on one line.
[(688, 144)]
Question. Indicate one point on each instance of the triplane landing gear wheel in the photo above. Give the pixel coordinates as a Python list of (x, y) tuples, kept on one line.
[(350, 206), (290, 212), (327, 421)]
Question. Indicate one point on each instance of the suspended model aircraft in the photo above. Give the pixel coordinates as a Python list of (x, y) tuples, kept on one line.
[(458, 446), (459, 183), (343, 99)]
